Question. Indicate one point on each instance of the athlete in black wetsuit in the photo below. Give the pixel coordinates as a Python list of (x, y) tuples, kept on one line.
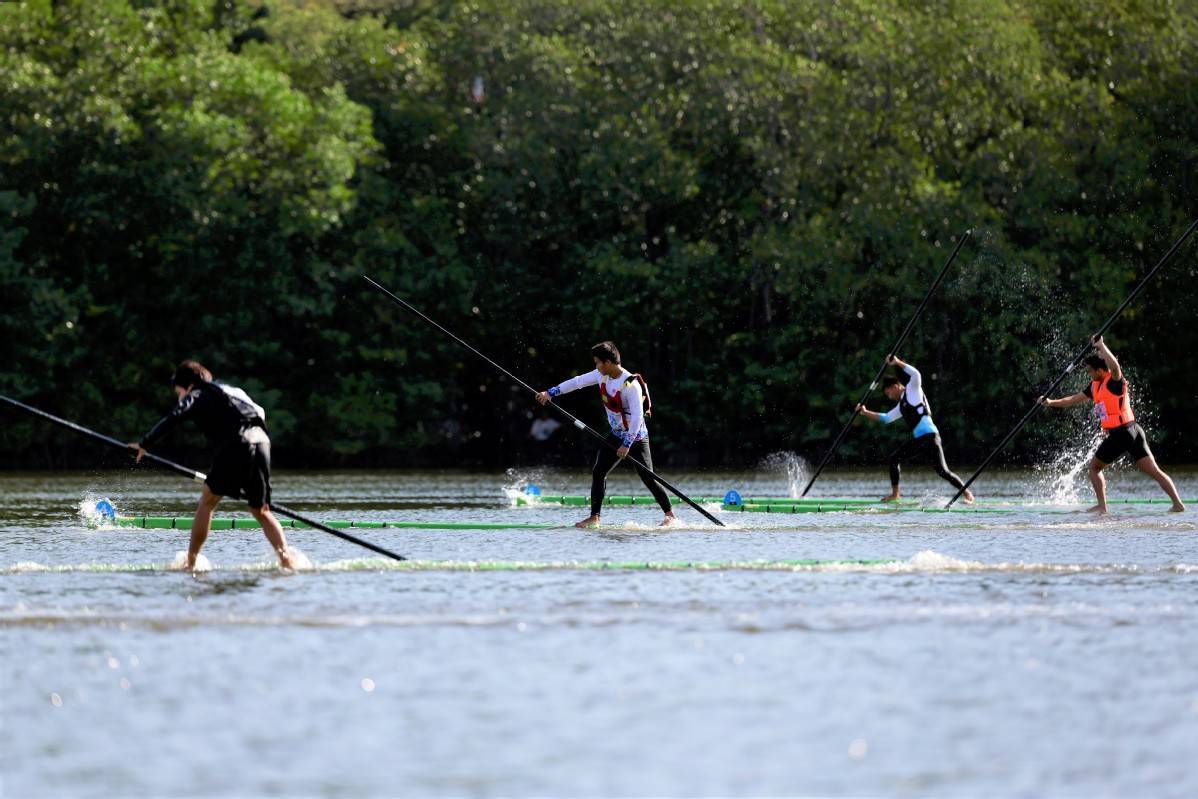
[(236, 426), (913, 409)]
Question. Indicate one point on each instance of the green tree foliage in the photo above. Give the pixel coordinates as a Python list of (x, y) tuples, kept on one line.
[(750, 197)]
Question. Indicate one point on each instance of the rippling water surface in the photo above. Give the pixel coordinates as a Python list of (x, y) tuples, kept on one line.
[(1042, 652)]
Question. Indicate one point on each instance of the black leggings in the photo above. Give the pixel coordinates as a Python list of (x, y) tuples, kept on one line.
[(607, 459), (916, 447)]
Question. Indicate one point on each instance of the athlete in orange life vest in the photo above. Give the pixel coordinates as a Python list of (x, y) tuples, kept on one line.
[(1111, 395), (624, 397)]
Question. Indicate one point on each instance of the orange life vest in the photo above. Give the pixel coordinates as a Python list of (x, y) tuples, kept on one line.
[(612, 401), (1114, 410)]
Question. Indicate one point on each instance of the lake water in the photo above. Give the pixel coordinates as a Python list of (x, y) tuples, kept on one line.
[(1023, 654)]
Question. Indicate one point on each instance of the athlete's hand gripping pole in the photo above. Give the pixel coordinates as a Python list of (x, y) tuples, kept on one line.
[(581, 425), (890, 353), (191, 473)]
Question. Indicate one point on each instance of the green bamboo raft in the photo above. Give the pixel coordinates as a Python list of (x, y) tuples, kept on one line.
[(802, 564), (249, 523), (379, 564), (764, 505), (621, 500), (832, 504), (888, 507)]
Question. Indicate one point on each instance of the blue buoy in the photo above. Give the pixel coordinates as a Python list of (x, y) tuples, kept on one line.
[(532, 490), (106, 509), (732, 497)]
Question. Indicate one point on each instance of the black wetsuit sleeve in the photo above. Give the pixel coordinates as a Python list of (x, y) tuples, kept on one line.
[(1116, 387), (172, 420), (1088, 392)]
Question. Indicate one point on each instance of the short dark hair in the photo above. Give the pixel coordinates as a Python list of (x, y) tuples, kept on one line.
[(1097, 362), (189, 373), (887, 382), (606, 351)]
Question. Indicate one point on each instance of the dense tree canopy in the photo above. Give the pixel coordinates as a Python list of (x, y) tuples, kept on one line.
[(749, 197)]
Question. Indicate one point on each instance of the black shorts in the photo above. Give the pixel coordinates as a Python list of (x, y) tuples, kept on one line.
[(1128, 439), (242, 469)]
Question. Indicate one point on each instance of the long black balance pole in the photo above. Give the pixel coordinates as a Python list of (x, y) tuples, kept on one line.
[(193, 474), (892, 351), (581, 425), (1076, 360)]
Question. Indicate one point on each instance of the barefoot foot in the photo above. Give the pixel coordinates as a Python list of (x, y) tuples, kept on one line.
[(590, 521), (890, 498), (669, 521), (968, 497), (1177, 508), (1100, 509)]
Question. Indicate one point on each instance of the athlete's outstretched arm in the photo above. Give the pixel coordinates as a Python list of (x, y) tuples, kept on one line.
[(884, 418), (1109, 357), (183, 409), (573, 384), (1079, 398)]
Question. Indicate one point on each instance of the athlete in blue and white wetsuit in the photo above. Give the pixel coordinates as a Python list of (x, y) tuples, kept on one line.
[(912, 408), (624, 397)]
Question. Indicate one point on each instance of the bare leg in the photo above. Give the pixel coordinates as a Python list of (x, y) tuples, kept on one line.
[(1099, 482), (274, 534), (201, 524), (1149, 467), (670, 519), (590, 521)]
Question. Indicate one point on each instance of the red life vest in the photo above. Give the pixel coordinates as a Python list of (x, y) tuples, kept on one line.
[(1114, 410), (612, 401)]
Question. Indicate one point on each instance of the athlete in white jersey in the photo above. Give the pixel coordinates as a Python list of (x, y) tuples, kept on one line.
[(912, 408), (625, 397)]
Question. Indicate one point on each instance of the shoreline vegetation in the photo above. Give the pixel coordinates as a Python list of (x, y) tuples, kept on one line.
[(749, 197)]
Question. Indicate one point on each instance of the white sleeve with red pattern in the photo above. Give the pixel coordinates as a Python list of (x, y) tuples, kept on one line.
[(591, 378)]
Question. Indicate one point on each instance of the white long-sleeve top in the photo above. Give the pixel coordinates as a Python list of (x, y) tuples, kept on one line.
[(629, 424)]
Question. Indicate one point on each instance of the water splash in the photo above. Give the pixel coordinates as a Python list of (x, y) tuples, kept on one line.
[(88, 512), (1065, 476), (795, 468), (299, 561), (930, 560), (180, 562), (518, 481)]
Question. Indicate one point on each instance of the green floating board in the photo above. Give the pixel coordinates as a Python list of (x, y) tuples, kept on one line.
[(821, 504), (837, 507), (582, 501), (184, 523), (380, 564), (599, 565)]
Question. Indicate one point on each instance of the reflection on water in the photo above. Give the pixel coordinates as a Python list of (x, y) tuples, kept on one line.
[(833, 654)]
